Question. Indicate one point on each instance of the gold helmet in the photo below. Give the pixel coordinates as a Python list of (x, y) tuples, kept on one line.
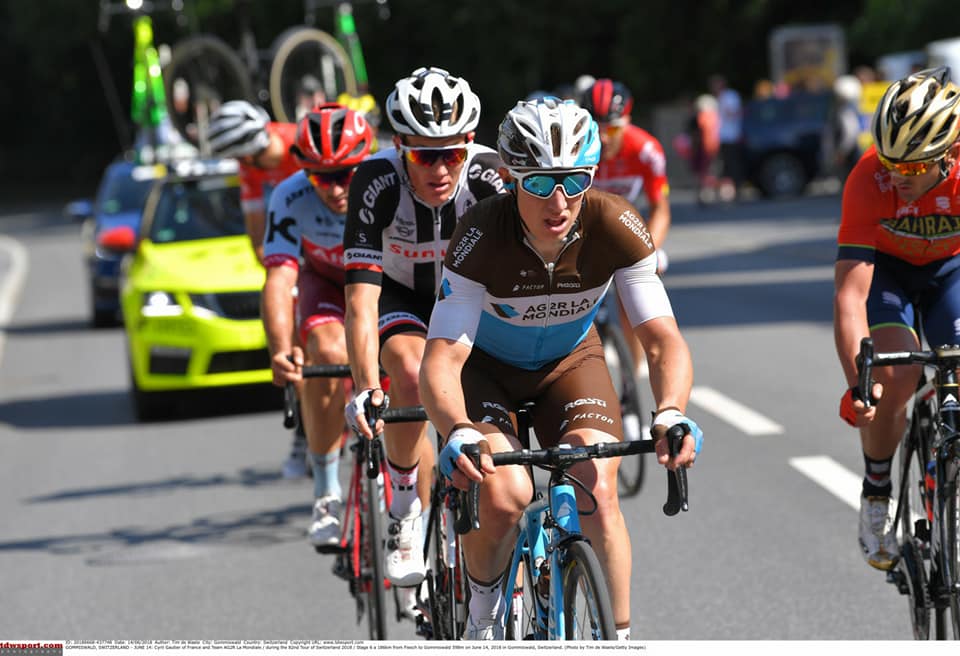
[(918, 118)]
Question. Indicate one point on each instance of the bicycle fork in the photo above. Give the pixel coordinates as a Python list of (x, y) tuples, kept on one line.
[(539, 519)]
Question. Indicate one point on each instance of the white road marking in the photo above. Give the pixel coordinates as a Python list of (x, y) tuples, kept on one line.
[(752, 277), (831, 476), (11, 283), (733, 412)]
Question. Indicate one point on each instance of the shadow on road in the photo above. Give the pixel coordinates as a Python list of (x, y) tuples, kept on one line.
[(784, 282), (49, 327), (247, 477), (201, 537), (114, 408)]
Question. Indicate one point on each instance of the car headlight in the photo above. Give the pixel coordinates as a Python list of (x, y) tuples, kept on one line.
[(160, 304)]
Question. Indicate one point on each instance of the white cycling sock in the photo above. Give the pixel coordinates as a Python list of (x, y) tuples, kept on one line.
[(326, 476), (485, 598), (623, 634), (403, 483)]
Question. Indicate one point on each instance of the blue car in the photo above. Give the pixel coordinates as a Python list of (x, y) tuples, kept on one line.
[(119, 202)]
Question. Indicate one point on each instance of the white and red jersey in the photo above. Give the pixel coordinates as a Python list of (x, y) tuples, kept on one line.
[(639, 166), (256, 184)]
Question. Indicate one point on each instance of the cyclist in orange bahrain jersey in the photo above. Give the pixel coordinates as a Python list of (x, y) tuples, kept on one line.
[(899, 241)]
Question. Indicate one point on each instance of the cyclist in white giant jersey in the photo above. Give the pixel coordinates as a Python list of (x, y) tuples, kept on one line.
[(404, 204), (303, 247), (514, 322)]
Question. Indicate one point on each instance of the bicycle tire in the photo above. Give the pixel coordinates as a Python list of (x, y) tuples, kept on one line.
[(373, 547), (521, 618), (951, 552), (583, 581), (302, 51), (630, 473), (446, 581), (212, 72), (914, 527)]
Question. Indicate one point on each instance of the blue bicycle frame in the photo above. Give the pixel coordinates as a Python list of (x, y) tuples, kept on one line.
[(540, 544)]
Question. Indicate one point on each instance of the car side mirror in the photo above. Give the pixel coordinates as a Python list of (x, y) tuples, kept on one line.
[(79, 210), (121, 239)]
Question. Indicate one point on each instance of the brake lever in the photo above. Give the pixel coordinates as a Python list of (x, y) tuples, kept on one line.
[(469, 518), (676, 480)]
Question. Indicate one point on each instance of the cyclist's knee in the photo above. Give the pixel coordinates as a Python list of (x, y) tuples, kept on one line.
[(405, 381), (325, 349), (501, 507), (899, 384)]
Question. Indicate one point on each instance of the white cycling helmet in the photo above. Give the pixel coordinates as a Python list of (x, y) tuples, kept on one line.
[(918, 117), (433, 103), (237, 129), (548, 134)]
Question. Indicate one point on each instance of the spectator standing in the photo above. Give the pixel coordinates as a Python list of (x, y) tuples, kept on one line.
[(730, 111)]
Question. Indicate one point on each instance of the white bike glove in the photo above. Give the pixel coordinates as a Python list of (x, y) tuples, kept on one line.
[(671, 417), (355, 412)]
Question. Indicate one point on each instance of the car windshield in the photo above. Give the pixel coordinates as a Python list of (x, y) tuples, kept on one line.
[(121, 193), (197, 209)]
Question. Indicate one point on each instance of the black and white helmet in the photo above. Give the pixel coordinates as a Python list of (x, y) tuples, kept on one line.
[(433, 103), (237, 129)]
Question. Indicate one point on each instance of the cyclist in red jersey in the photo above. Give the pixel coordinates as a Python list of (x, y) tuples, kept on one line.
[(244, 131), (303, 247), (898, 247), (631, 161)]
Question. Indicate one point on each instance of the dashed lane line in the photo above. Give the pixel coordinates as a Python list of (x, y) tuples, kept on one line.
[(831, 476), (733, 412), (11, 282)]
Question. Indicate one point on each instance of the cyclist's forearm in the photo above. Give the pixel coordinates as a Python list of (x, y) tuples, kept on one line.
[(849, 327), (278, 312), (440, 389), (363, 340), (852, 283), (671, 371)]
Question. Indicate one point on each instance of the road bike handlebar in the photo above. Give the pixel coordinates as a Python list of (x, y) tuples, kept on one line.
[(868, 358), (565, 456), (335, 371)]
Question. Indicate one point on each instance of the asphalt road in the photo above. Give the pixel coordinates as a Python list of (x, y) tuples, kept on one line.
[(184, 529)]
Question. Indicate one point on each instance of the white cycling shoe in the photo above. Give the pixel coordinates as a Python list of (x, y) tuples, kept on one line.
[(403, 555), (877, 537), (324, 531)]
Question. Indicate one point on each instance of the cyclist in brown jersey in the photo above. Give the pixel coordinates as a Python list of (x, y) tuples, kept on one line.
[(514, 321)]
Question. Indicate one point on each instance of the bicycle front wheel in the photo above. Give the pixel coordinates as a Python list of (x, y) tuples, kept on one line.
[(309, 66), (619, 359), (446, 575), (587, 610), (521, 620), (373, 584), (202, 74), (951, 549), (914, 534)]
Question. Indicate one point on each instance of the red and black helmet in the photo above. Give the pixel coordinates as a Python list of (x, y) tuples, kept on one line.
[(608, 101), (331, 136)]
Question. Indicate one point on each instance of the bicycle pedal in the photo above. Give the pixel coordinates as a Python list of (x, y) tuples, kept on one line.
[(896, 577), (328, 548)]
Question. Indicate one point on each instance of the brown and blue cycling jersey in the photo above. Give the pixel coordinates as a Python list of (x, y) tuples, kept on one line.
[(499, 295)]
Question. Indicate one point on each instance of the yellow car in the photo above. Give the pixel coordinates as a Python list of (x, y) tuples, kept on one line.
[(191, 290)]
